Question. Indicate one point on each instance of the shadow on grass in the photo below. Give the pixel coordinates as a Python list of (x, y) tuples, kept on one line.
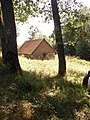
[(31, 96)]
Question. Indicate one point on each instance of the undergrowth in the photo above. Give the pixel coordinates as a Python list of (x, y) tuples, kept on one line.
[(38, 94)]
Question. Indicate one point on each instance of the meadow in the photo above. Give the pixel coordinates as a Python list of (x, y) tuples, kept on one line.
[(39, 94)]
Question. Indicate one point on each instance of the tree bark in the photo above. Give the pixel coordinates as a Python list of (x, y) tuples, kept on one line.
[(59, 41), (2, 44), (10, 44)]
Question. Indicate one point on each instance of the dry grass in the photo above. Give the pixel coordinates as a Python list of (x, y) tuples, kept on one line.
[(50, 67), (37, 94), (46, 67)]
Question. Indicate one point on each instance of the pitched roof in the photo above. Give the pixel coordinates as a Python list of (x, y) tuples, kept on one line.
[(29, 46)]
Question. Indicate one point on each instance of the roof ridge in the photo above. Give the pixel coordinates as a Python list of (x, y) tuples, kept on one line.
[(35, 39), (37, 45), (30, 46)]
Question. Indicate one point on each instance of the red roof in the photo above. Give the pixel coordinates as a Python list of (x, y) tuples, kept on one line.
[(29, 46)]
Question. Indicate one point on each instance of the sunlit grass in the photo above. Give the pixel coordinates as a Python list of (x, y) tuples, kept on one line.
[(76, 69), (76, 64), (45, 67), (38, 94), (50, 67)]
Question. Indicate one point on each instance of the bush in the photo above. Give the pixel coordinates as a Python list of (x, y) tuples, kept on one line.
[(70, 50), (83, 50)]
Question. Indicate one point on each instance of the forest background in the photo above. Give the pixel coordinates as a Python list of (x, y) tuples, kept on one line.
[(75, 18), (36, 92)]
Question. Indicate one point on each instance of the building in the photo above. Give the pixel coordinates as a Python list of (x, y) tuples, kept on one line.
[(37, 49)]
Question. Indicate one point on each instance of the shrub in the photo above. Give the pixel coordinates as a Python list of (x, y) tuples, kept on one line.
[(83, 50)]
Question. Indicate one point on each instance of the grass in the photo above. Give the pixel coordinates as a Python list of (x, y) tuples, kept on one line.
[(38, 94)]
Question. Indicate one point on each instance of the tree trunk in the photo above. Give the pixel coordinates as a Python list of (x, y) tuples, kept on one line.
[(59, 41), (2, 44), (10, 45)]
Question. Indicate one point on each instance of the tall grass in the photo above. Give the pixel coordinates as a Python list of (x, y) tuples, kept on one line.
[(50, 67), (38, 94)]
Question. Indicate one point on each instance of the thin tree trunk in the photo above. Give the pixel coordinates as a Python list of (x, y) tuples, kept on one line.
[(59, 41), (10, 45)]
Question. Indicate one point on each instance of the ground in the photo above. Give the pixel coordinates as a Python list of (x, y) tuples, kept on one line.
[(38, 94)]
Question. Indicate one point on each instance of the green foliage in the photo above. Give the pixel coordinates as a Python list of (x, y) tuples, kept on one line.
[(76, 30), (69, 49), (83, 50), (25, 8), (37, 96)]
